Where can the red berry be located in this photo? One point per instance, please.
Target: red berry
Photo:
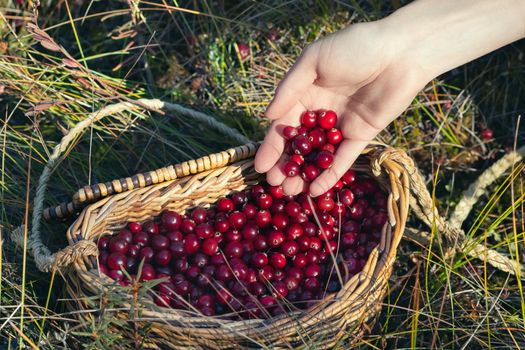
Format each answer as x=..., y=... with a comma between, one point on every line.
x=150, y=227
x=301, y=145
x=309, y=172
x=263, y=218
x=204, y=230
x=126, y=235
x=116, y=261
x=135, y=227
x=250, y=231
x=280, y=221
x=328, y=147
x=237, y=219
x=324, y=159
x=275, y=238
x=290, y=248
x=163, y=257
x=225, y=205
x=487, y=134
x=312, y=270
x=191, y=244
x=233, y=250
x=276, y=191
x=291, y=169
x=187, y=226
x=334, y=136
x=260, y=259
x=346, y=197
x=159, y=242
x=327, y=119
x=325, y=203
x=317, y=137
x=171, y=220
x=279, y=290
x=309, y=119
x=103, y=243
x=210, y=246
x=278, y=260
x=244, y=51
x=264, y=201
x=349, y=177
x=289, y=132
x=297, y=159
x=300, y=261
x=118, y=245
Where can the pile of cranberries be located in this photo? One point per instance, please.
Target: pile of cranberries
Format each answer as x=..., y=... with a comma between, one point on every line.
x=257, y=253
x=310, y=147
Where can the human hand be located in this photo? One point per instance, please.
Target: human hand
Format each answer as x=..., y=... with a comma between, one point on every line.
x=363, y=75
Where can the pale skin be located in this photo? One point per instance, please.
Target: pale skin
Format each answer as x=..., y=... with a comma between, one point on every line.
x=369, y=73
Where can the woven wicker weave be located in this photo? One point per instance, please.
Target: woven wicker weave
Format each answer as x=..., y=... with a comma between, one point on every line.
x=322, y=326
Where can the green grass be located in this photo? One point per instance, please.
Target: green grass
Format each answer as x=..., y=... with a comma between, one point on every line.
x=186, y=52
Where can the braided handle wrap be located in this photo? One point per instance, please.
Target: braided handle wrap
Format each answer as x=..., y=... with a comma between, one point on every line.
x=423, y=206
x=44, y=260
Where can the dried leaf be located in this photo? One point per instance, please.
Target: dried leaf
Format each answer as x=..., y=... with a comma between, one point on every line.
x=71, y=63
x=50, y=45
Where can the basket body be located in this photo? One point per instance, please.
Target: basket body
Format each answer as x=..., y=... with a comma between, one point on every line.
x=338, y=316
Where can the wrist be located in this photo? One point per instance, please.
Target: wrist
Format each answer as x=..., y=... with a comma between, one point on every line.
x=440, y=35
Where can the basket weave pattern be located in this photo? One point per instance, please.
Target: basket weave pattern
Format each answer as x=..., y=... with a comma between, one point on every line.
x=322, y=326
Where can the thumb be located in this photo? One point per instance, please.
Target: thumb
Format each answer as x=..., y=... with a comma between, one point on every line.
x=294, y=85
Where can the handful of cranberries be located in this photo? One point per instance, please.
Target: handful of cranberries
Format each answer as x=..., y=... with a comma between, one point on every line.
x=255, y=253
x=310, y=147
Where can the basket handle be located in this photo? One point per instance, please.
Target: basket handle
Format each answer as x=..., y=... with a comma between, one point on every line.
x=46, y=261
x=423, y=206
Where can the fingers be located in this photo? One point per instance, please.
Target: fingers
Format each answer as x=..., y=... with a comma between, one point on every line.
x=345, y=156
x=273, y=144
x=293, y=185
x=296, y=82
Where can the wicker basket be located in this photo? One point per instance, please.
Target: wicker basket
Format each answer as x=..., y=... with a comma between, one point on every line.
x=215, y=176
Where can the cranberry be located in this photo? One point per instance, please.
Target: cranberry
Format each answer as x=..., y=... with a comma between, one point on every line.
x=309, y=119
x=291, y=283
x=118, y=245
x=297, y=159
x=325, y=203
x=260, y=259
x=324, y=159
x=187, y=226
x=204, y=230
x=291, y=168
x=260, y=243
x=239, y=198
x=300, y=260
x=280, y=290
x=233, y=236
x=295, y=272
x=237, y=219
x=309, y=229
x=301, y=145
x=224, y=296
x=147, y=273
x=135, y=227
x=103, y=243
x=163, y=257
x=278, y=260
x=146, y=254
x=311, y=284
x=334, y=136
x=349, y=239
x=266, y=273
x=223, y=273
x=289, y=132
x=200, y=260
x=264, y=201
x=304, y=243
x=244, y=51
x=317, y=138
x=275, y=238
x=315, y=243
x=328, y=147
x=151, y=227
x=233, y=250
x=191, y=244
x=346, y=197
x=171, y=220
x=175, y=236
x=312, y=256
x=199, y=215
x=312, y=270
x=126, y=235
x=133, y=251
x=290, y=248
x=349, y=177
x=117, y=260
x=103, y=257
x=210, y=246
x=294, y=231
x=356, y=211
x=326, y=119
x=117, y=275
x=225, y=205
x=487, y=134
x=263, y=218
x=309, y=172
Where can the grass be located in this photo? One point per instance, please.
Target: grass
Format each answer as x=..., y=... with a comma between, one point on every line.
x=187, y=53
